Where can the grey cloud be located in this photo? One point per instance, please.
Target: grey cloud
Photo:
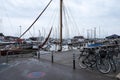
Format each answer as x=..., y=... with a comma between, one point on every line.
x=92, y=13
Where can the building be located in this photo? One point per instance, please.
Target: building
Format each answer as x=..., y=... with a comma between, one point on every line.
x=1, y=37
x=114, y=36
x=78, y=39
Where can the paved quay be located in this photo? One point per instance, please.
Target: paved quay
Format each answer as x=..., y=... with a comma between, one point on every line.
x=66, y=58
x=31, y=68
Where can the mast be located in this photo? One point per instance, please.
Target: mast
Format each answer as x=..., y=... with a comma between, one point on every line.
x=87, y=33
x=95, y=33
x=39, y=37
x=20, y=29
x=61, y=5
x=99, y=32
x=0, y=25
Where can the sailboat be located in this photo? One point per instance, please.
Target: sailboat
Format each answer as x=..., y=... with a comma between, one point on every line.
x=60, y=42
x=41, y=45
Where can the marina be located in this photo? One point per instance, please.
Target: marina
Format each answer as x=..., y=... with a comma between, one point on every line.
x=62, y=50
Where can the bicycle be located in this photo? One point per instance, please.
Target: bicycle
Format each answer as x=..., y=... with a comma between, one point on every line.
x=103, y=63
x=87, y=58
x=100, y=57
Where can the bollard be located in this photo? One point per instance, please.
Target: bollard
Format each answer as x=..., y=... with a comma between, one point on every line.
x=39, y=54
x=73, y=60
x=52, y=59
x=7, y=56
x=0, y=53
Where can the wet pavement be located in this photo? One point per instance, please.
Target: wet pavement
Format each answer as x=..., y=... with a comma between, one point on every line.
x=34, y=69
x=66, y=58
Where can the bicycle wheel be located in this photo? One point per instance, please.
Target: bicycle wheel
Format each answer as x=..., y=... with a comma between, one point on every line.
x=81, y=61
x=103, y=65
x=113, y=65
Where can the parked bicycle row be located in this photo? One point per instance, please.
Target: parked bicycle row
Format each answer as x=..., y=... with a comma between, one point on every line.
x=99, y=56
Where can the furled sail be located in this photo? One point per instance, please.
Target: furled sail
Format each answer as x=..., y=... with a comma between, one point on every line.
x=40, y=46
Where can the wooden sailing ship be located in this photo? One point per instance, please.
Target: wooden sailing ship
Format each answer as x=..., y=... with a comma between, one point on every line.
x=41, y=45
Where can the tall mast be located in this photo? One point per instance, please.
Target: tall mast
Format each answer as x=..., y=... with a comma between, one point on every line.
x=61, y=5
x=20, y=29
x=95, y=33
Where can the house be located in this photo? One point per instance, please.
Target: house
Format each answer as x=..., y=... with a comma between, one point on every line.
x=114, y=36
x=10, y=38
x=78, y=37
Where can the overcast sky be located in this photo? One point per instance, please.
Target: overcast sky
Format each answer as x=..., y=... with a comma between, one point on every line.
x=81, y=16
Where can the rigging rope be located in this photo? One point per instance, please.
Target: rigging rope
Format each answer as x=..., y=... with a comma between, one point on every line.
x=71, y=19
x=7, y=15
x=52, y=18
x=36, y=18
x=66, y=25
x=54, y=21
x=30, y=34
